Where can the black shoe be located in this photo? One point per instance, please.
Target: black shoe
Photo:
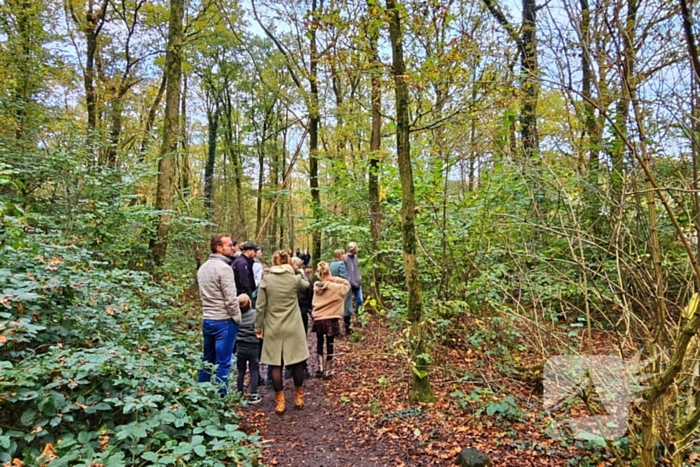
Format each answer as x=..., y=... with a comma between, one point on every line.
x=287, y=373
x=307, y=375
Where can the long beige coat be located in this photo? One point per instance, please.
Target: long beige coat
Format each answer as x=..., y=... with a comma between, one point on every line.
x=279, y=317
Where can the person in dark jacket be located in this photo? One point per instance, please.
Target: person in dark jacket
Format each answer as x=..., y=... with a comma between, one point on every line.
x=304, y=297
x=248, y=355
x=243, y=269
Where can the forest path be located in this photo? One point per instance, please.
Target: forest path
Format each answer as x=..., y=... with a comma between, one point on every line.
x=362, y=416
x=325, y=433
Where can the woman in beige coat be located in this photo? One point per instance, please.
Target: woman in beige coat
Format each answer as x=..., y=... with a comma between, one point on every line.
x=328, y=307
x=279, y=325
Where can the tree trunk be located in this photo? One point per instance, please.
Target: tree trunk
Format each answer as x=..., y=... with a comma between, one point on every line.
x=530, y=80
x=184, y=158
x=627, y=36
x=592, y=136
x=420, y=388
x=231, y=138
x=261, y=180
x=340, y=139
x=89, y=77
x=314, y=120
x=22, y=44
x=375, y=145
x=151, y=120
x=238, y=167
x=275, y=180
x=94, y=20
x=168, y=150
x=282, y=203
x=213, y=128
x=694, y=117
x=110, y=152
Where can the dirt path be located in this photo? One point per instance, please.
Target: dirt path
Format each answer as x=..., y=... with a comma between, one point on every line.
x=324, y=433
x=362, y=417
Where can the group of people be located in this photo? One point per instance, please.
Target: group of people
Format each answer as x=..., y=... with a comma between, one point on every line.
x=263, y=313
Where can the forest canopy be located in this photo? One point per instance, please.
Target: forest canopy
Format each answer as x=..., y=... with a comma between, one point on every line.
x=521, y=176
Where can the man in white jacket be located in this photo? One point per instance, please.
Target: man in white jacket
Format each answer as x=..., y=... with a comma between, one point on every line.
x=221, y=311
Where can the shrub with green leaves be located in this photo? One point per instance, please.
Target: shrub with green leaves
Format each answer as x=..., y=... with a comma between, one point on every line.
x=94, y=372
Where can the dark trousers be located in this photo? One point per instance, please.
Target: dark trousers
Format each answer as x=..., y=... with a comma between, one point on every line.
x=247, y=358
x=329, y=345
x=305, y=320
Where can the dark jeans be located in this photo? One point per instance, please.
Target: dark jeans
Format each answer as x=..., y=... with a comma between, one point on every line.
x=247, y=358
x=357, y=293
x=329, y=345
x=219, y=336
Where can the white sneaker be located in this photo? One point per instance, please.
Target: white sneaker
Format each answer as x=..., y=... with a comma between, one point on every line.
x=254, y=399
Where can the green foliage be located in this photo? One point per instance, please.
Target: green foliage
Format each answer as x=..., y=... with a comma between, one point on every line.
x=10, y=212
x=93, y=366
x=505, y=408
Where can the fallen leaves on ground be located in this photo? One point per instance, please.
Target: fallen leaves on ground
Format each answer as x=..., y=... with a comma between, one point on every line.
x=362, y=417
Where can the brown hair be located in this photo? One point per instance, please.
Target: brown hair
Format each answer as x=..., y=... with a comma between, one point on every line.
x=338, y=253
x=280, y=257
x=216, y=242
x=322, y=270
x=298, y=263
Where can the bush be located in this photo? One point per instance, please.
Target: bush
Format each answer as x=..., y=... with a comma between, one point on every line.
x=94, y=373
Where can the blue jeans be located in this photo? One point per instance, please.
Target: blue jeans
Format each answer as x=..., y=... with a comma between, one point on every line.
x=219, y=336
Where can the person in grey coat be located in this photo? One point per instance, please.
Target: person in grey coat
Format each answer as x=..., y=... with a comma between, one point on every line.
x=353, y=266
x=221, y=311
x=338, y=269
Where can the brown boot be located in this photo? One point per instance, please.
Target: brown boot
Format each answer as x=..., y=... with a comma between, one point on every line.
x=298, y=397
x=279, y=410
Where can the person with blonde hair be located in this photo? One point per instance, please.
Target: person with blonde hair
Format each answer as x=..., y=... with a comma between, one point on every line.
x=279, y=324
x=328, y=308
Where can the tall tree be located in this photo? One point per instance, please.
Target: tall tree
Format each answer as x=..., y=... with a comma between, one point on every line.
x=123, y=79
x=151, y=119
x=212, y=131
x=373, y=22
x=168, y=150
x=526, y=41
x=311, y=98
x=90, y=21
x=421, y=390
x=314, y=122
x=23, y=70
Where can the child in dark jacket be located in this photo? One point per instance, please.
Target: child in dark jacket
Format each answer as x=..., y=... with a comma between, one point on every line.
x=247, y=355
